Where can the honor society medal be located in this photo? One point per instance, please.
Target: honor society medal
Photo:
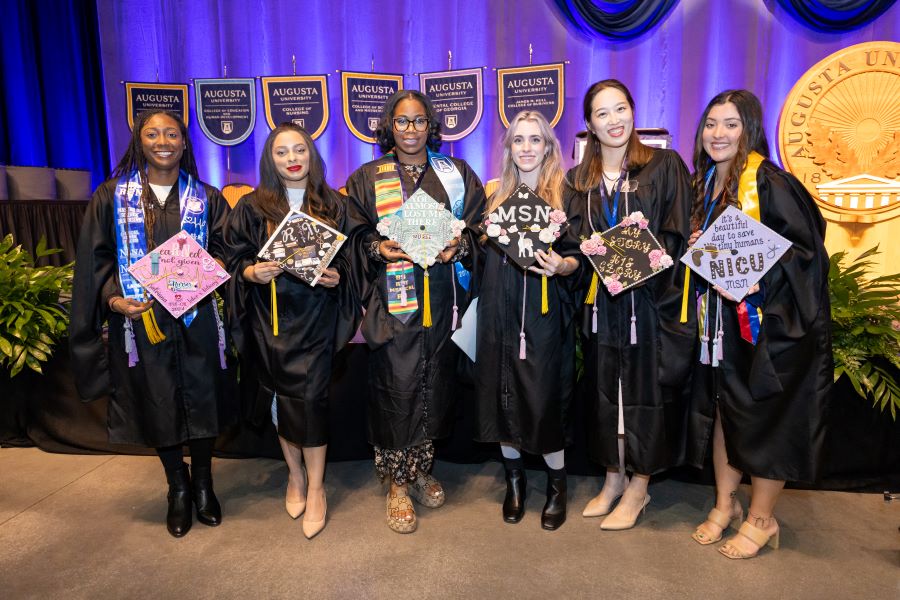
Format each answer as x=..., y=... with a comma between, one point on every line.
x=839, y=131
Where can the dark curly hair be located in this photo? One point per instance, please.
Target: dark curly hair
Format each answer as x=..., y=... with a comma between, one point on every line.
x=384, y=134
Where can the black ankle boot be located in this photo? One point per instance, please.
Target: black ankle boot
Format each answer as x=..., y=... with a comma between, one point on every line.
x=514, y=502
x=554, y=514
x=178, y=517
x=209, y=512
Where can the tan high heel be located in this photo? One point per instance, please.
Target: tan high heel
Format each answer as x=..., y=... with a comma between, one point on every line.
x=757, y=536
x=312, y=528
x=722, y=520
x=597, y=508
x=615, y=522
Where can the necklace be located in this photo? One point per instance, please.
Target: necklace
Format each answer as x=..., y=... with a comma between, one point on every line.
x=611, y=179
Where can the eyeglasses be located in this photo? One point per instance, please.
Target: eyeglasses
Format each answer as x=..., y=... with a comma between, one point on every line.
x=402, y=123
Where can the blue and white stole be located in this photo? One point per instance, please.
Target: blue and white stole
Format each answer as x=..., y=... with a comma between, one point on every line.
x=455, y=187
x=131, y=236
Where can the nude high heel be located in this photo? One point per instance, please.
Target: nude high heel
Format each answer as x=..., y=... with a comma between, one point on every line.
x=722, y=520
x=312, y=528
x=615, y=522
x=756, y=535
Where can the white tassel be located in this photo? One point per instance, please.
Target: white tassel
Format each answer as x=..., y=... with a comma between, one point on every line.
x=594, y=319
x=715, y=352
x=403, y=294
x=704, y=350
x=633, y=322
x=522, y=346
x=455, y=317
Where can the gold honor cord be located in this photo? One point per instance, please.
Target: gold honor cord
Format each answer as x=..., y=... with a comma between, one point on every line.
x=545, y=304
x=426, y=295
x=154, y=334
x=592, y=290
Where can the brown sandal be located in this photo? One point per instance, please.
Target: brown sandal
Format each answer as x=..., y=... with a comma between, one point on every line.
x=396, y=506
x=427, y=491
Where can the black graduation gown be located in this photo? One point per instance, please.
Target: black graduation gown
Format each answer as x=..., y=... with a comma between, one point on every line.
x=295, y=365
x=524, y=403
x=655, y=370
x=773, y=396
x=178, y=390
x=411, y=368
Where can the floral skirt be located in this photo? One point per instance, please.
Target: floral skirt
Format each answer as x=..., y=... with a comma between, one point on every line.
x=403, y=465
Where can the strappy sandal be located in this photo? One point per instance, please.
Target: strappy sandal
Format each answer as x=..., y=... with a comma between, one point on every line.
x=427, y=491
x=754, y=534
x=720, y=519
x=396, y=506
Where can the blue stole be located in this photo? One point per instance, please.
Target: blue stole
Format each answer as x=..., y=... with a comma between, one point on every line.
x=455, y=187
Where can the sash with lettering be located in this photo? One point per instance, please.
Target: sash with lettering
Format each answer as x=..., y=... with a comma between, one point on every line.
x=389, y=198
x=749, y=310
x=364, y=95
x=458, y=99
x=302, y=100
x=144, y=97
x=131, y=238
x=540, y=88
x=226, y=109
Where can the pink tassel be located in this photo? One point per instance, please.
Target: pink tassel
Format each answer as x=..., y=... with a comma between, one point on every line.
x=704, y=350
x=455, y=318
x=633, y=330
x=594, y=320
x=522, y=346
x=720, y=351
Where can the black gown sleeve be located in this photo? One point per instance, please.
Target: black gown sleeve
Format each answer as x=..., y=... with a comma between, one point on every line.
x=240, y=245
x=218, y=211
x=361, y=221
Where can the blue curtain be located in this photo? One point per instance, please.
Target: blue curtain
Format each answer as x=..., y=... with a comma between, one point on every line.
x=835, y=15
x=616, y=19
x=52, y=110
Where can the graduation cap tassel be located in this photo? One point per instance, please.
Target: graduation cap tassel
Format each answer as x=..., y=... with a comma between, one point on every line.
x=592, y=290
x=633, y=321
x=720, y=333
x=522, y=349
x=545, y=304
x=274, y=295
x=684, y=294
x=130, y=345
x=455, y=320
x=426, y=309
x=154, y=335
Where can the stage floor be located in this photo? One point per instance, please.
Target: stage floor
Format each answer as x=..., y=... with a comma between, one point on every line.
x=75, y=526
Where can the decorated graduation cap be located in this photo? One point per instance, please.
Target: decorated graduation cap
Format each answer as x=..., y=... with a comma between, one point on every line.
x=178, y=273
x=626, y=255
x=422, y=227
x=303, y=246
x=524, y=224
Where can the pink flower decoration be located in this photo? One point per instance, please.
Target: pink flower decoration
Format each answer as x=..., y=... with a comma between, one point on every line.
x=626, y=222
x=487, y=221
x=556, y=234
x=601, y=250
x=613, y=284
x=557, y=216
x=589, y=246
x=502, y=232
x=643, y=223
x=654, y=255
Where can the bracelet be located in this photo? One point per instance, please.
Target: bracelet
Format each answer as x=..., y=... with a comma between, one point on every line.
x=374, y=252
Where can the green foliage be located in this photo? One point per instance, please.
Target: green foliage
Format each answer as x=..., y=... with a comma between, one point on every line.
x=32, y=317
x=865, y=321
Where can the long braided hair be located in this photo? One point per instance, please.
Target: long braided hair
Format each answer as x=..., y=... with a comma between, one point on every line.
x=134, y=159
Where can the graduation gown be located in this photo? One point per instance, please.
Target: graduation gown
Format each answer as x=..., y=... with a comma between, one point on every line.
x=411, y=368
x=653, y=371
x=772, y=397
x=178, y=390
x=295, y=366
x=524, y=403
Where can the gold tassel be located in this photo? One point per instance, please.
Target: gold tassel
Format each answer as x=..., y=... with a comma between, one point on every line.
x=545, y=304
x=154, y=335
x=274, y=295
x=684, y=294
x=592, y=291
x=426, y=301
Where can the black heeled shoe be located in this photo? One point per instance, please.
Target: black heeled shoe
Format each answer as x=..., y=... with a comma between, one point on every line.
x=178, y=517
x=554, y=513
x=514, y=502
x=209, y=512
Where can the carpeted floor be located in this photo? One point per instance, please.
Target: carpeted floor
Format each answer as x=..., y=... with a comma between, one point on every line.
x=93, y=527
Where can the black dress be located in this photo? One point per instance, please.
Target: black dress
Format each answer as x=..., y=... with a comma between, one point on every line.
x=178, y=390
x=773, y=396
x=411, y=368
x=295, y=366
x=654, y=371
x=525, y=403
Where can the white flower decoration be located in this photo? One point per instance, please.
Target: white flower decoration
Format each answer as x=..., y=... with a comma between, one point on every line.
x=503, y=239
x=513, y=228
x=546, y=236
x=553, y=227
x=493, y=230
x=494, y=217
x=665, y=261
x=637, y=216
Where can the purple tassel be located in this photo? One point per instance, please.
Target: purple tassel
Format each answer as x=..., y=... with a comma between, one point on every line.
x=633, y=330
x=455, y=317
x=221, y=334
x=522, y=346
x=594, y=320
x=704, y=350
x=130, y=344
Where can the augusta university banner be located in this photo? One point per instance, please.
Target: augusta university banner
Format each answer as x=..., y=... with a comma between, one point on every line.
x=364, y=95
x=226, y=109
x=143, y=97
x=302, y=100
x=536, y=87
x=458, y=98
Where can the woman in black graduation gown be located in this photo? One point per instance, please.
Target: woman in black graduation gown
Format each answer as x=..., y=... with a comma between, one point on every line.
x=412, y=365
x=167, y=392
x=523, y=399
x=294, y=365
x=763, y=388
x=636, y=353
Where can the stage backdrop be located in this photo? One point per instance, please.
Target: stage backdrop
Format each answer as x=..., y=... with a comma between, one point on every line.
x=697, y=49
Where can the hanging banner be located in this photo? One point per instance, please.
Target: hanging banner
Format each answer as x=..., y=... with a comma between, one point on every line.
x=540, y=88
x=458, y=100
x=226, y=109
x=302, y=100
x=364, y=95
x=143, y=97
